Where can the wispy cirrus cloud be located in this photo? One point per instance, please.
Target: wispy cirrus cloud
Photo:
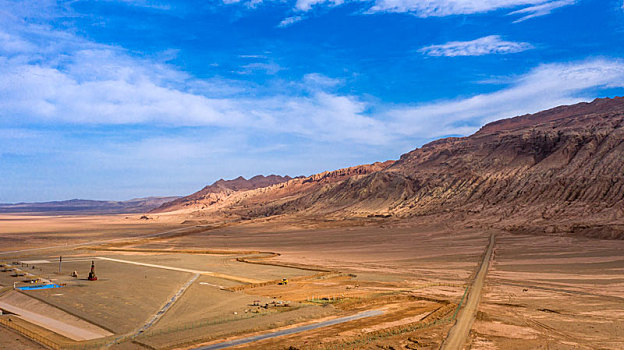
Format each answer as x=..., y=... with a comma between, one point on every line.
x=306, y=5
x=540, y=9
x=424, y=8
x=441, y=8
x=153, y=4
x=543, y=87
x=102, y=85
x=140, y=116
x=98, y=84
x=288, y=21
x=487, y=45
x=268, y=68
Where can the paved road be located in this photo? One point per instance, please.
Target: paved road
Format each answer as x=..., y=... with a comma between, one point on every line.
x=289, y=331
x=459, y=332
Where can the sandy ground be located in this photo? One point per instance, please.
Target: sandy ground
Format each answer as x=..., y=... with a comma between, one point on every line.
x=14, y=341
x=552, y=293
x=123, y=297
x=416, y=251
x=36, y=231
x=49, y=317
x=540, y=292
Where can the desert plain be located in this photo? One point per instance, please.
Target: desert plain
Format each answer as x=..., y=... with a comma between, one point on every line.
x=166, y=285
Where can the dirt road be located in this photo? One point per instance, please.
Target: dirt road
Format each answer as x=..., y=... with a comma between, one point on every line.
x=201, y=272
x=459, y=333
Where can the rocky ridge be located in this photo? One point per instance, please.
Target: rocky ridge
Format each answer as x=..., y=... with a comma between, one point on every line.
x=559, y=171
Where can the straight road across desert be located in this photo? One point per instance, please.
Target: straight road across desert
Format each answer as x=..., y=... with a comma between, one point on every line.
x=459, y=333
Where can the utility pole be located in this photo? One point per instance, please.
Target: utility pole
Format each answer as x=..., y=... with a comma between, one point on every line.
x=60, y=261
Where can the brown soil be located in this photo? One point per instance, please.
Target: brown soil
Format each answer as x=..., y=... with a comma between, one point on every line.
x=408, y=268
x=552, y=292
x=12, y=340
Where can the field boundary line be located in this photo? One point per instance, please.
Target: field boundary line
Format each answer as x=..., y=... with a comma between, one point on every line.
x=439, y=319
x=32, y=335
x=64, y=310
x=288, y=331
x=154, y=319
x=177, y=251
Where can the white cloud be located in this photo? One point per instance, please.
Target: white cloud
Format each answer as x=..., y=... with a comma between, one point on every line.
x=492, y=44
x=545, y=86
x=440, y=8
x=288, y=21
x=425, y=8
x=102, y=85
x=541, y=9
x=10, y=44
x=306, y=5
x=268, y=68
x=320, y=81
x=158, y=5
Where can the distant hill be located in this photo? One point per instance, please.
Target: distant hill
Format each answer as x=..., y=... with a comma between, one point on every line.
x=83, y=206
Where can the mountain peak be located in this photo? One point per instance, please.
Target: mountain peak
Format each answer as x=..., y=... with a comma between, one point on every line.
x=561, y=116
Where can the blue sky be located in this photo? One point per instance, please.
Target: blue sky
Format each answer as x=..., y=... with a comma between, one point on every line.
x=129, y=98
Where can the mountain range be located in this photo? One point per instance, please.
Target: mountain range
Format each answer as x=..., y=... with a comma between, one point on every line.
x=560, y=171
x=85, y=206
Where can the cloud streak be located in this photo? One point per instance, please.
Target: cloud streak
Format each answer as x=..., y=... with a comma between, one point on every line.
x=422, y=8
x=288, y=21
x=545, y=86
x=96, y=116
x=441, y=8
x=487, y=45
x=540, y=9
x=101, y=85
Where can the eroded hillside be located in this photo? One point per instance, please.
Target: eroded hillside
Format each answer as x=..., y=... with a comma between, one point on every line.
x=560, y=171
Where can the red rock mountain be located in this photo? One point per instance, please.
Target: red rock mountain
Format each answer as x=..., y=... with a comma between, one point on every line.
x=245, y=198
x=560, y=171
x=221, y=189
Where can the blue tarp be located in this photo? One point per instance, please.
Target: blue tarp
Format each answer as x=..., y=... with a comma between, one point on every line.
x=39, y=286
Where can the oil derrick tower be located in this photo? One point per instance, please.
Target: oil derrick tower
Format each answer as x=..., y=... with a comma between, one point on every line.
x=92, y=276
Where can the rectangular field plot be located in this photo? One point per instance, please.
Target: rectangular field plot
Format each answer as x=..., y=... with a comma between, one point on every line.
x=219, y=264
x=132, y=287
x=123, y=297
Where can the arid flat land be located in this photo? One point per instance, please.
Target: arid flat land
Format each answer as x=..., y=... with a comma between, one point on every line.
x=552, y=293
x=14, y=341
x=39, y=231
x=539, y=291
